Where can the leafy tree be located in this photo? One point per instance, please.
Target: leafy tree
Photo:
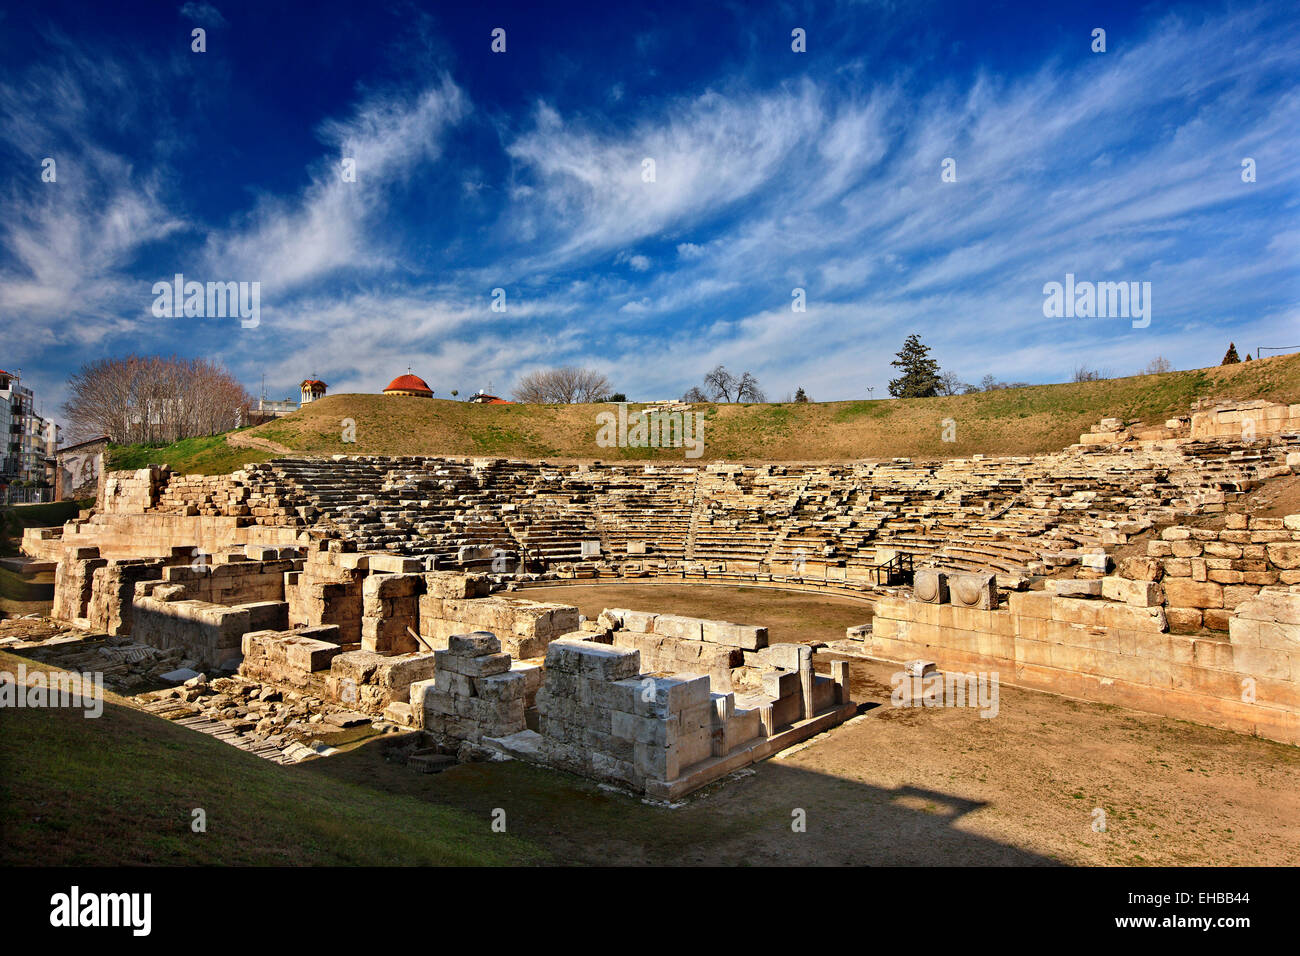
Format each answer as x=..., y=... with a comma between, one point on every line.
x=617, y=397
x=801, y=396
x=920, y=378
x=1230, y=357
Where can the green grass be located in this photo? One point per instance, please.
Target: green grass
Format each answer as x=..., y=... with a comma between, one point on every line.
x=208, y=455
x=17, y=589
x=121, y=789
x=848, y=411
x=14, y=518
x=1033, y=420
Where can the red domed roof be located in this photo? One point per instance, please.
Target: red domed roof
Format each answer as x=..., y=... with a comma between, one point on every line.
x=408, y=383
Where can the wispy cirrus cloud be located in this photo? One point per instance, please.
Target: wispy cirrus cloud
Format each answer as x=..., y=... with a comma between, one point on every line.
x=822, y=173
x=336, y=224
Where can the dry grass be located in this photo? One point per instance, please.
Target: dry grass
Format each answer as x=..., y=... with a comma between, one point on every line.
x=1023, y=421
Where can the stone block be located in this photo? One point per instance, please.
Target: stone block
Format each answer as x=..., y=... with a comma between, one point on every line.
x=1284, y=556
x=1184, y=620
x=484, y=665
x=1136, y=593
x=684, y=628
x=1180, y=592
x=598, y=661
x=477, y=644
x=930, y=586
x=1073, y=587
x=659, y=731
x=973, y=590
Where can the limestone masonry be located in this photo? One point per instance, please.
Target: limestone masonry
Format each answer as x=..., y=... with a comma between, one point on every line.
x=396, y=589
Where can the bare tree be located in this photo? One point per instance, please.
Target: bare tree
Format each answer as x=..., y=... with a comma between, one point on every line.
x=1084, y=374
x=150, y=399
x=566, y=385
x=721, y=384
x=951, y=384
x=748, y=390
x=1158, y=366
x=695, y=395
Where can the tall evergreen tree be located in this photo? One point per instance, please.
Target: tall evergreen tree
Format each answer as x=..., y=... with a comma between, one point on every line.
x=1230, y=357
x=920, y=378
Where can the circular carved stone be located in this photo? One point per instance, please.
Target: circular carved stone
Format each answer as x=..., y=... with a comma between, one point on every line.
x=966, y=590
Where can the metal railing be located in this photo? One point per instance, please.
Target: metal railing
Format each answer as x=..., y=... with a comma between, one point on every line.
x=26, y=496
x=897, y=570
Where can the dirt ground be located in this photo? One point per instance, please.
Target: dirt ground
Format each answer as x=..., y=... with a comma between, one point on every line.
x=917, y=786
x=944, y=785
x=897, y=785
x=796, y=616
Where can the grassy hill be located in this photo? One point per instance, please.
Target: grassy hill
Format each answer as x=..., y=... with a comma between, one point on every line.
x=121, y=789
x=1037, y=419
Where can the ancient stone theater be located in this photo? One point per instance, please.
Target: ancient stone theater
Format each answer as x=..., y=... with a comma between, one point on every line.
x=1122, y=569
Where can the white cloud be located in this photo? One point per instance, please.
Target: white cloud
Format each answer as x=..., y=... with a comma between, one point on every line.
x=337, y=224
x=204, y=14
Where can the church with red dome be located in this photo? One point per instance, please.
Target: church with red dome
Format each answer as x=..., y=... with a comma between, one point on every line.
x=410, y=385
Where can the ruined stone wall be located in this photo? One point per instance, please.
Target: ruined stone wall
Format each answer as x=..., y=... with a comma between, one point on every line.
x=371, y=683
x=291, y=657
x=74, y=582
x=598, y=719
x=726, y=652
x=113, y=591
x=203, y=495
x=602, y=716
x=1246, y=420
x=208, y=633
x=390, y=607
x=327, y=589
x=476, y=691
x=128, y=535
x=1116, y=652
x=1204, y=574
x=525, y=628
x=256, y=574
x=45, y=544
x=132, y=492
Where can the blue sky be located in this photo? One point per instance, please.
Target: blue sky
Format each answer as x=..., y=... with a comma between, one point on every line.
x=522, y=170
